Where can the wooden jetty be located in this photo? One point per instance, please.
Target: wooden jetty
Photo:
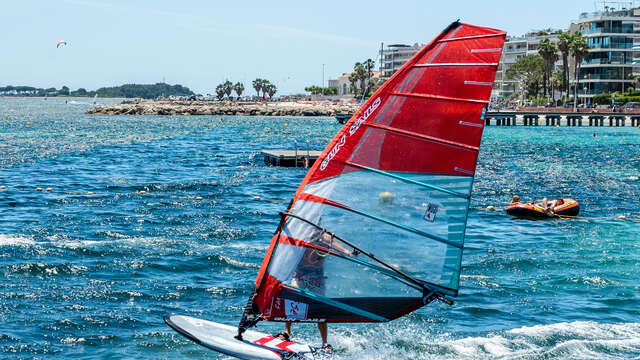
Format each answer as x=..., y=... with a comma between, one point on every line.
x=508, y=118
x=290, y=158
x=513, y=118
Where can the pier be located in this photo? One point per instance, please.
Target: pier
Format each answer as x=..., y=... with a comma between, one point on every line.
x=512, y=118
x=290, y=158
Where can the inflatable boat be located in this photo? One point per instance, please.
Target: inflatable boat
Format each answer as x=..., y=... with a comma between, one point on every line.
x=558, y=207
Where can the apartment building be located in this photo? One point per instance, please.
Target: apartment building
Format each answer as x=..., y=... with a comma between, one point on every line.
x=514, y=49
x=614, y=51
x=392, y=57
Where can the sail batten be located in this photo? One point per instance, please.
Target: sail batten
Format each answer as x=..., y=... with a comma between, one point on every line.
x=395, y=181
x=439, y=97
x=454, y=65
x=310, y=197
x=470, y=37
x=424, y=137
x=405, y=179
x=384, y=268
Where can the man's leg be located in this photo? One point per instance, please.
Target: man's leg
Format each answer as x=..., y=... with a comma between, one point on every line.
x=287, y=328
x=322, y=327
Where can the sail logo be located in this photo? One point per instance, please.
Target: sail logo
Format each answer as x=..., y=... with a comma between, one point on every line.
x=365, y=116
x=432, y=210
x=333, y=152
x=295, y=310
x=352, y=130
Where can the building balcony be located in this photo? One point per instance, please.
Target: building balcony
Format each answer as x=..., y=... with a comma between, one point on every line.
x=609, y=48
x=607, y=31
x=613, y=62
x=523, y=49
x=600, y=78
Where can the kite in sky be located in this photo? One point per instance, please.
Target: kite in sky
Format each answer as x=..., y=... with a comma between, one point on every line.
x=61, y=43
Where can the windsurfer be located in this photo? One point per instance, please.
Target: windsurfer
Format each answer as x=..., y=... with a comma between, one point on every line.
x=309, y=274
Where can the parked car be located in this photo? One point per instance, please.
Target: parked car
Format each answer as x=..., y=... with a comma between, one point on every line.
x=632, y=105
x=568, y=105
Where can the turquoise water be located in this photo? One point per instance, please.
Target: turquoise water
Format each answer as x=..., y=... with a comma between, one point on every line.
x=89, y=268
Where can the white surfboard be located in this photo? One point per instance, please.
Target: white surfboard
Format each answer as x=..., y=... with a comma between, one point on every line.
x=220, y=337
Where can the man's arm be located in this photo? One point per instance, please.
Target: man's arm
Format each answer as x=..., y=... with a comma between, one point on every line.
x=336, y=245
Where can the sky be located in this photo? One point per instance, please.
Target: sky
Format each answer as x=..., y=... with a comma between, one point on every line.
x=200, y=44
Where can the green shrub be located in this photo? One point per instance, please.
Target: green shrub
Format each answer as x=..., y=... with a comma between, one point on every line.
x=602, y=99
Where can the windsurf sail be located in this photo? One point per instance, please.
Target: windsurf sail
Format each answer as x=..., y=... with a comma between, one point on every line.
x=376, y=228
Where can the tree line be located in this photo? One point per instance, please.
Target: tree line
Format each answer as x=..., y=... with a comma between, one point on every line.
x=318, y=90
x=536, y=73
x=259, y=85
x=148, y=91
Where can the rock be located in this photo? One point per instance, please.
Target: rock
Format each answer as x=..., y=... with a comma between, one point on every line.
x=174, y=107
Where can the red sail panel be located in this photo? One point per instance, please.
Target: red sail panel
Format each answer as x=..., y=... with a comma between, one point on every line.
x=395, y=181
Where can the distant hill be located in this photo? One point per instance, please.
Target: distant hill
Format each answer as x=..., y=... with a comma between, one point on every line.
x=146, y=91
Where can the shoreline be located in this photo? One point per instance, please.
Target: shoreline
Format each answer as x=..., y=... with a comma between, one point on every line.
x=195, y=107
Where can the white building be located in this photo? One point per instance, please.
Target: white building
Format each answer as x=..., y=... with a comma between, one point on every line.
x=514, y=49
x=394, y=56
x=614, y=51
x=343, y=84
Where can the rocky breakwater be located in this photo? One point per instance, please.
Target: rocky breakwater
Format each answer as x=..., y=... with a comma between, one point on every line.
x=184, y=107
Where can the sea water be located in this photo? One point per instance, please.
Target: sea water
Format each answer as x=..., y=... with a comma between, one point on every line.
x=153, y=215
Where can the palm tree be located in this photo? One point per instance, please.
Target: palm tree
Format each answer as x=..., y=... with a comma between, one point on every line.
x=257, y=85
x=579, y=50
x=238, y=88
x=549, y=54
x=271, y=89
x=220, y=91
x=359, y=73
x=353, y=79
x=368, y=66
x=564, y=44
x=265, y=85
x=228, y=88
x=556, y=81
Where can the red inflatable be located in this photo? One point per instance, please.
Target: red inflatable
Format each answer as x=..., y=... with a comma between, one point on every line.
x=558, y=207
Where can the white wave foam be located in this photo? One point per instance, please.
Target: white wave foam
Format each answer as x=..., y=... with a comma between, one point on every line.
x=575, y=340
x=239, y=263
x=16, y=240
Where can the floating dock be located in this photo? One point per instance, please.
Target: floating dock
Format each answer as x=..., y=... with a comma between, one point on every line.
x=290, y=158
x=343, y=118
